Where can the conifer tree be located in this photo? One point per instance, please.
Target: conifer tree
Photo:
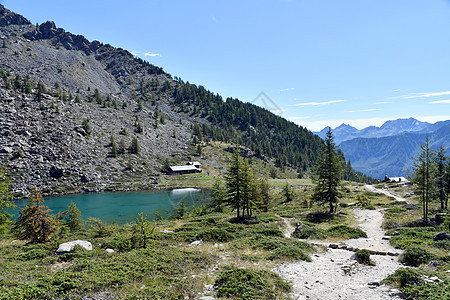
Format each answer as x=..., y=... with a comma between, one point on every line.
x=288, y=193
x=134, y=147
x=238, y=182
x=218, y=195
x=422, y=175
x=121, y=148
x=265, y=195
x=35, y=221
x=114, y=150
x=441, y=161
x=5, y=203
x=73, y=218
x=328, y=174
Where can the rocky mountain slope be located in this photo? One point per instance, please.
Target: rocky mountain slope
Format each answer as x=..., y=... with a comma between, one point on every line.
x=65, y=99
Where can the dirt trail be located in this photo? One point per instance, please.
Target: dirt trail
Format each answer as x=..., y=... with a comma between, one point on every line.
x=334, y=274
x=371, y=188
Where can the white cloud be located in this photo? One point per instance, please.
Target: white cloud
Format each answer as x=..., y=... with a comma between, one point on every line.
x=364, y=110
x=383, y=102
x=319, y=103
x=423, y=95
x=293, y=119
x=134, y=53
x=151, y=54
x=287, y=89
x=440, y=102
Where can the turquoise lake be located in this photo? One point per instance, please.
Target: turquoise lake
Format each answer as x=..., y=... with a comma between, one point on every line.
x=124, y=207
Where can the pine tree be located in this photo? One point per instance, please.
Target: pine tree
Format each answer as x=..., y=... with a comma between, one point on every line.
x=134, y=147
x=422, y=175
x=114, y=150
x=288, y=193
x=264, y=194
x=238, y=182
x=218, y=195
x=121, y=148
x=86, y=126
x=5, y=203
x=35, y=221
x=441, y=161
x=328, y=174
x=73, y=218
x=142, y=231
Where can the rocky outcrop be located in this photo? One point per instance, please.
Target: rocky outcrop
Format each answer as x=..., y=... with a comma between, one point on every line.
x=69, y=41
x=9, y=18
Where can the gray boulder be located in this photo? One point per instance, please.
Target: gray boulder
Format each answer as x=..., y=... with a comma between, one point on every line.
x=69, y=246
x=441, y=236
x=56, y=172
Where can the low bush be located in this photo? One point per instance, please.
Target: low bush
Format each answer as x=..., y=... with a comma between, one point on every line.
x=363, y=257
x=308, y=231
x=444, y=244
x=411, y=283
x=288, y=253
x=415, y=256
x=404, y=237
x=404, y=276
x=345, y=232
x=215, y=235
x=32, y=254
x=250, y=284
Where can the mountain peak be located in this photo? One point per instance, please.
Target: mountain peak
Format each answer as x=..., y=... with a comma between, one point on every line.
x=7, y=18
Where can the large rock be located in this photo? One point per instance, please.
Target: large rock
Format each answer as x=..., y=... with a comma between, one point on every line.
x=56, y=172
x=441, y=236
x=68, y=247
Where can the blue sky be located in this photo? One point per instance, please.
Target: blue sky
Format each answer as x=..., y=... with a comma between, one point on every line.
x=321, y=62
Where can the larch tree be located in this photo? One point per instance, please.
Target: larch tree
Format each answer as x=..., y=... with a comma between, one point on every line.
x=441, y=161
x=328, y=171
x=73, y=218
x=238, y=180
x=5, y=203
x=422, y=175
x=35, y=221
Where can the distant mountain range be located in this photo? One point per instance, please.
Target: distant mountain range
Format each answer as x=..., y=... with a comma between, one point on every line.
x=389, y=149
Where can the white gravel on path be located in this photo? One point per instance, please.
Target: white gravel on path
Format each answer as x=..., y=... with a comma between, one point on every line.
x=324, y=278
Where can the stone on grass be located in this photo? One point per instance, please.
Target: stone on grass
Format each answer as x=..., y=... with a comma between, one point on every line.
x=441, y=236
x=68, y=247
x=196, y=243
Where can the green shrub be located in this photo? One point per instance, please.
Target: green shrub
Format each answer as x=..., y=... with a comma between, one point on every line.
x=363, y=257
x=444, y=244
x=288, y=253
x=404, y=276
x=407, y=237
x=216, y=235
x=345, y=232
x=415, y=256
x=308, y=231
x=32, y=254
x=250, y=284
x=270, y=232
